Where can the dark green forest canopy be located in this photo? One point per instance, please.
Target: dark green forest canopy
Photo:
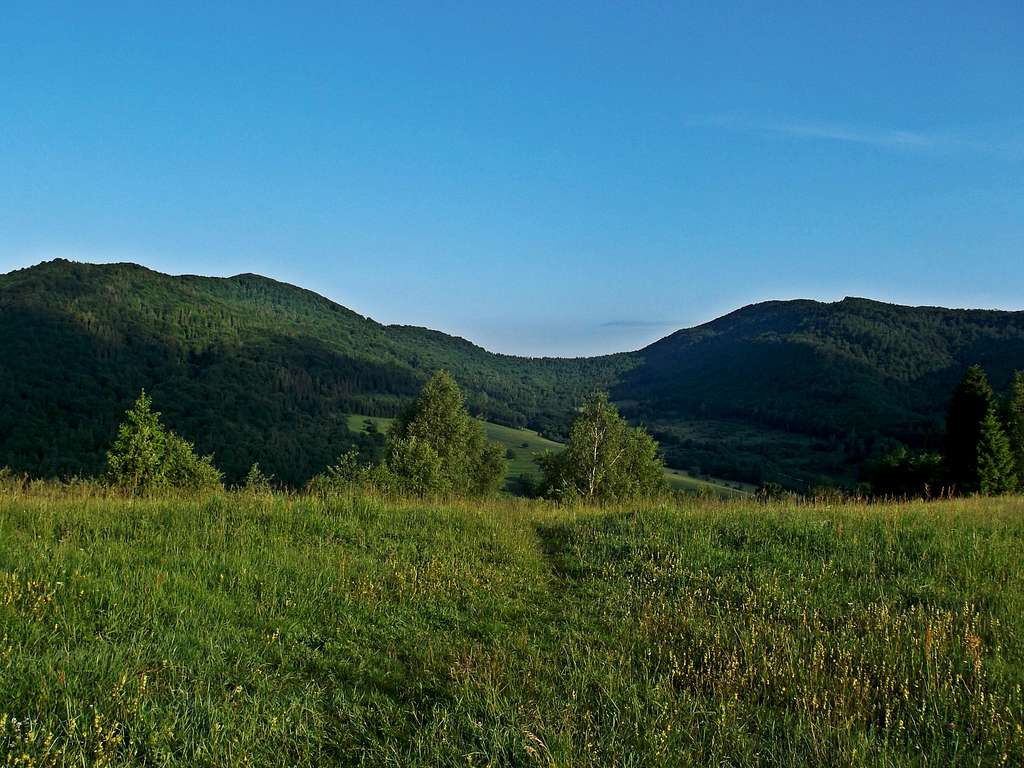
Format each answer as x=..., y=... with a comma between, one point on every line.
x=250, y=369
x=256, y=370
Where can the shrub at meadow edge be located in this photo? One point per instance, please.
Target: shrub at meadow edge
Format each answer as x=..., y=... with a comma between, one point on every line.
x=435, y=448
x=147, y=457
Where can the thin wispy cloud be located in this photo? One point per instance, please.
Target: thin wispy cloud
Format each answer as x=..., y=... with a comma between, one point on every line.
x=884, y=138
x=888, y=138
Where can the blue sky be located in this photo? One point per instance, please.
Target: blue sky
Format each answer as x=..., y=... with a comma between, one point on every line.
x=541, y=178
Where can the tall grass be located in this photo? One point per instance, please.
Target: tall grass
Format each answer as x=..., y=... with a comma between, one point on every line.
x=276, y=630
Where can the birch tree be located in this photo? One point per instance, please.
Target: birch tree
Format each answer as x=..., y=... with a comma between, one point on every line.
x=605, y=459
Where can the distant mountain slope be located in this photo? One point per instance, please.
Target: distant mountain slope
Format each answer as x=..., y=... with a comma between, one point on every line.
x=257, y=370
x=249, y=368
x=823, y=381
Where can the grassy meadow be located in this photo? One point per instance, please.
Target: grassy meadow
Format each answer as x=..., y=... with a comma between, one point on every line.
x=274, y=630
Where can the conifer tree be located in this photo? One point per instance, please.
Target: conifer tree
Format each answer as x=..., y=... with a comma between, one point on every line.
x=1015, y=423
x=135, y=461
x=997, y=473
x=145, y=455
x=968, y=408
x=256, y=481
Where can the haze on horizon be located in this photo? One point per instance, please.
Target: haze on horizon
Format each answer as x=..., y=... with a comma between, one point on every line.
x=560, y=181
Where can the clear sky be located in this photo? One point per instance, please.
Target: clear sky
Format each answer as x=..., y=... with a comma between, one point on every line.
x=542, y=178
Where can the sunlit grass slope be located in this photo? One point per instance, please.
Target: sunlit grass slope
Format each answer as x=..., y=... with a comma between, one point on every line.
x=287, y=631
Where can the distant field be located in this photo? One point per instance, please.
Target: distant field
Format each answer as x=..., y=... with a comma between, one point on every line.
x=526, y=445
x=357, y=423
x=286, y=631
x=682, y=481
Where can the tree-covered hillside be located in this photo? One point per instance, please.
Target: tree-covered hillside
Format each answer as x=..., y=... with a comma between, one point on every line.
x=790, y=390
x=256, y=370
x=248, y=368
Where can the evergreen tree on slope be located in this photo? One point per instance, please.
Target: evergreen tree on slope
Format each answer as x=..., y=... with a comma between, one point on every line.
x=968, y=408
x=997, y=472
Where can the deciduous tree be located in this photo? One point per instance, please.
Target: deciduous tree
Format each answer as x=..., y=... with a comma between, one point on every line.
x=435, y=446
x=606, y=459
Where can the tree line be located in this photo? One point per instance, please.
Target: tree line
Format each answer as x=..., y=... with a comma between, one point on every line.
x=434, y=448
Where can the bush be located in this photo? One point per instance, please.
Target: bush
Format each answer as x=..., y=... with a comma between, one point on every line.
x=183, y=469
x=348, y=475
x=418, y=467
x=773, y=492
x=825, y=493
x=11, y=482
x=900, y=474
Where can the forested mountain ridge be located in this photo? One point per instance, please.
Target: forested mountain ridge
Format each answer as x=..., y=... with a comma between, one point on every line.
x=247, y=367
x=787, y=390
x=257, y=370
